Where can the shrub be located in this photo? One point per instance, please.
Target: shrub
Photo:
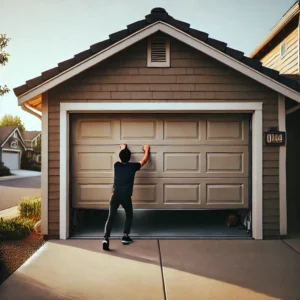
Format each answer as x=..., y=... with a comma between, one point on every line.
x=30, y=208
x=29, y=164
x=16, y=228
x=4, y=171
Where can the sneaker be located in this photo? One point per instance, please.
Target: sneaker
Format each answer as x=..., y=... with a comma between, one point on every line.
x=126, y=240
x=105, y=244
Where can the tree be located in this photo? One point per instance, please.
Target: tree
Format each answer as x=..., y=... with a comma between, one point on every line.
x=10, y=120
x=38, y=148
x=3, y=59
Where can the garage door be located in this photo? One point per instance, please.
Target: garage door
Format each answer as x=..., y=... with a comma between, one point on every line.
x=11, y=160
x=197, y=161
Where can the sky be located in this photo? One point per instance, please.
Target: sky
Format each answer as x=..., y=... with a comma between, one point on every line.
x=46, y=32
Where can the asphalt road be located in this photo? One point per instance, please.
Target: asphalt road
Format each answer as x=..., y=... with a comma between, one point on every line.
x=12, y=191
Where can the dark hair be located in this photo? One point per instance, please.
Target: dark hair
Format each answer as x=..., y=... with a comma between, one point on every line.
x=125, y=155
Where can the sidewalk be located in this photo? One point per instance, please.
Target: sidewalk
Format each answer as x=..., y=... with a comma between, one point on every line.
x=9, y=213
x=16, y=174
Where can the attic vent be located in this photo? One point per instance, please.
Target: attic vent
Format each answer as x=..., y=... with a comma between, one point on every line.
x=159, y=52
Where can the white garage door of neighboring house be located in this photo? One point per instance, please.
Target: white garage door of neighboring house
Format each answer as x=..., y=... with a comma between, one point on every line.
x=197, y=161
x=11, y=160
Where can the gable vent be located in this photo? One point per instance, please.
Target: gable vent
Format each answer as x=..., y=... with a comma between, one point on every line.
x=159, y=52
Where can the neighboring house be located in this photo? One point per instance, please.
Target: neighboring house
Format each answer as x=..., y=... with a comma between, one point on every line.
x=201, y=105
x=32, y=139
x=11, y=147
x=280, y=51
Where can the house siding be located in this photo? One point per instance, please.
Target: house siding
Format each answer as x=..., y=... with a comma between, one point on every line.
x=192, y=77
x=289, y=63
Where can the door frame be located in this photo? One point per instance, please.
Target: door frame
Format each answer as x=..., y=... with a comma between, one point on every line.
x=205, y=107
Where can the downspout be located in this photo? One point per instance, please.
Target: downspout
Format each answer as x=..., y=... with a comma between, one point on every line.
x=33, y=111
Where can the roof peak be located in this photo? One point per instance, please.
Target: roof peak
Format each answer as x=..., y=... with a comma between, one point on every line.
x=158, y=10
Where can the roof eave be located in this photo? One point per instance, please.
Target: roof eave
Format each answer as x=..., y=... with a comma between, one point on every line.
x=292, y=12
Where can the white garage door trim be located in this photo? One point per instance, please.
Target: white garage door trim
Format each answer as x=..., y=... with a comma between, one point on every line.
x=257, y=151
x=14, y=152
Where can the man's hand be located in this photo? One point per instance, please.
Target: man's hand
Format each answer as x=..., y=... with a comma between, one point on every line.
x=123, y=146
x=146, y=148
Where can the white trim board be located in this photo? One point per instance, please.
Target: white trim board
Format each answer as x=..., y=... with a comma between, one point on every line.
x=171, y=31
x=44, y=177
x=282, y=168
x=257, y=159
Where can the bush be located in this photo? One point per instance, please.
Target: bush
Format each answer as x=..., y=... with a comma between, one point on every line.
x=4, y=171
x=30, y=208
x=29, y=164
x=16, y=228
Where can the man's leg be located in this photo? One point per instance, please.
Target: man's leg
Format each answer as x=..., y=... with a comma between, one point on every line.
x=127, y=205
x=113, y=208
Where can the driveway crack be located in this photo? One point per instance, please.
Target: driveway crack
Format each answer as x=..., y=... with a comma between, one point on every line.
x=162, y=271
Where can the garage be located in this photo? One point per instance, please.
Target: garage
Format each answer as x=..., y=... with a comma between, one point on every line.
x=11, y=160
x=205, y=109
x=198, y=162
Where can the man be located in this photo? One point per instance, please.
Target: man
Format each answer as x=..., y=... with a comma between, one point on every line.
x=124, y=173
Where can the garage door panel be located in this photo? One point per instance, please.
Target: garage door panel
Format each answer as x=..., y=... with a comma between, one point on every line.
x=95, y=131
x=164, y=161
x=145, y=194
x=151, y=165
x=225, y=162
x=182, y=162
x=181, y=129
x=188, y=193
x=196, y=161
x=139, y=129
x=92, y=161
x=181, y=193
x=225, y=130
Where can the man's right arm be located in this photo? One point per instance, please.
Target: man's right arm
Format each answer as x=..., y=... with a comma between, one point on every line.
x=146, y=149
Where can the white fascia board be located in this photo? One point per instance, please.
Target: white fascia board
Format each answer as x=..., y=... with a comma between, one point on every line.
x=174, y=32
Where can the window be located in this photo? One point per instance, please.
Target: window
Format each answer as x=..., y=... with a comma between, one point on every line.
x=158, y=52
x=15, y=134
x=283, y=49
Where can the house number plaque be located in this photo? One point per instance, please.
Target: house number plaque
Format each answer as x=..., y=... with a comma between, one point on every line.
x=275, y=138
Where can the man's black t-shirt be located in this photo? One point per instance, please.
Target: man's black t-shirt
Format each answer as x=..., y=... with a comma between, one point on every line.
x=124, y=178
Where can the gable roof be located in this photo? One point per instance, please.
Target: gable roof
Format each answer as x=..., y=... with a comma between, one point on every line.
x=288, y=22
x=152, y=23
x=6, y=132
x=30, y=135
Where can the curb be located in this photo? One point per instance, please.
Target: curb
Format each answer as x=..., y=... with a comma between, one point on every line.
x=10, y=177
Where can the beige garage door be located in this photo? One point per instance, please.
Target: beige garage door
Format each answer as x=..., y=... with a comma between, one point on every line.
x=197, y=161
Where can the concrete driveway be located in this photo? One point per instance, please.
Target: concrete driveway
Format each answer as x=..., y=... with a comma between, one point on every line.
x=158, y=270
x=12, y=190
